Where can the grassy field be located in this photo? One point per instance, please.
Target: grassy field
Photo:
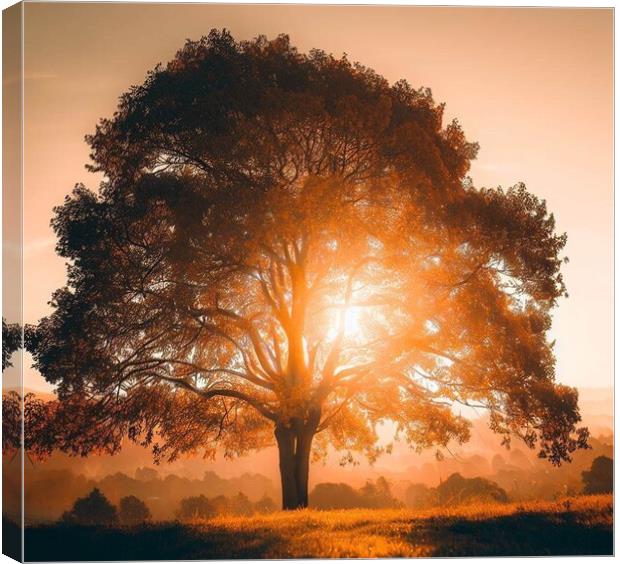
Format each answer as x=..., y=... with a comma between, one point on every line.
x=581, y=525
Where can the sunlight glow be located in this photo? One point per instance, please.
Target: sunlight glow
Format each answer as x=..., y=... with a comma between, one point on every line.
x=353, y=327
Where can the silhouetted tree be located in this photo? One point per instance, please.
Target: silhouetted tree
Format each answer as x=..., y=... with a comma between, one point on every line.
x=221, y=504
x=287, y=245
x=196, y=507
x=377, y=494
x=457, y=490
x=94, y=509
x=334, y=496
x=132, y=511
x=600, y=477
x=374, y=494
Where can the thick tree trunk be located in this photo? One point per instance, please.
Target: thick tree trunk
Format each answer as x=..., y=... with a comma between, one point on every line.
x=286, y=450
x=302, y=466
x=294, y=447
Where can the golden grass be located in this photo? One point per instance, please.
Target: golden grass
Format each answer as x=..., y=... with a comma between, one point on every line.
x=397, y=532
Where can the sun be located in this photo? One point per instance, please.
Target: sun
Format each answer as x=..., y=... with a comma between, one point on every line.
x=352, y=326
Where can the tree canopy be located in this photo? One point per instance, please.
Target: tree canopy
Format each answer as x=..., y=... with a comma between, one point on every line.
x=286, y=242
x=600, y=477
x=94, y=509
x=133, y=511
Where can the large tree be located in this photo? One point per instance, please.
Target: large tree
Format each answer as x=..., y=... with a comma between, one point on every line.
x=286, y=245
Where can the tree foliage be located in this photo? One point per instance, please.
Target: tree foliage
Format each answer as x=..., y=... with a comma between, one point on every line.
x=11, y=341
x=600, y=477
x=94, y=509
x=196, y=507
x=456, y=490
x=133, y=511
x=372, y=495
x=287, y=242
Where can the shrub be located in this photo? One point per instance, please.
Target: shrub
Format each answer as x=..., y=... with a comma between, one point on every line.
x=133, y=511
x=197, y=507
x=94, y=509
x=600, y=477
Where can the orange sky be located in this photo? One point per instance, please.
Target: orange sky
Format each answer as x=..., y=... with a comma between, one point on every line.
x=532, y=86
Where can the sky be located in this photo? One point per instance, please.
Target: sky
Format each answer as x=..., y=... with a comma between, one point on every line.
x=533, y=86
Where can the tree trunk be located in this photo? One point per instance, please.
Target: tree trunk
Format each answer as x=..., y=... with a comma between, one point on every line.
x=286, y=450
x=294, y=447
x=302, y=465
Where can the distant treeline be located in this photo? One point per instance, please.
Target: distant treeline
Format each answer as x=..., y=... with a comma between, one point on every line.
x=456, y=490
x=514, y=476
x=373, y=495
x=50, y=493
x=96, y=509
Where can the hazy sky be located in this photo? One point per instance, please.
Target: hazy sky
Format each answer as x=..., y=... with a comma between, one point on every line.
x=532, y=86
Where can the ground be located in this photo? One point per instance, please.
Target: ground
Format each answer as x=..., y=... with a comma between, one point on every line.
x=580, y=525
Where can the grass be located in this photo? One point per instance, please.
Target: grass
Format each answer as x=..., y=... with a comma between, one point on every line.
x=580, y=525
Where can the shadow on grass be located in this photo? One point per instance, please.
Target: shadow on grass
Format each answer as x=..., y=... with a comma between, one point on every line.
x=148, y=542
x=520, y=534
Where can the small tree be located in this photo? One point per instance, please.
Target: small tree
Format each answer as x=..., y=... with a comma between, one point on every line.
x=600, y=477
x=329, y=495
x=222, y=505
x=458, y=490
x=377, y=494
x=94, y=509
x=196, y=507
x=241, y=505
x=420, y=496
x=133, y=511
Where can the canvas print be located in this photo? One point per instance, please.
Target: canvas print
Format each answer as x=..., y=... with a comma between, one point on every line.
x=304, y=281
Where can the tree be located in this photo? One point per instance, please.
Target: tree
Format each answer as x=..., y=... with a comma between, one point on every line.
x=334, y=496
x=600, y=477
x=222, y=505
x=133, y=511
x=377, y=494
x=457, y=490
x=288, y=247
x=197, y=507
x=420, y=496
x=94, y=509
x=241, y=505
